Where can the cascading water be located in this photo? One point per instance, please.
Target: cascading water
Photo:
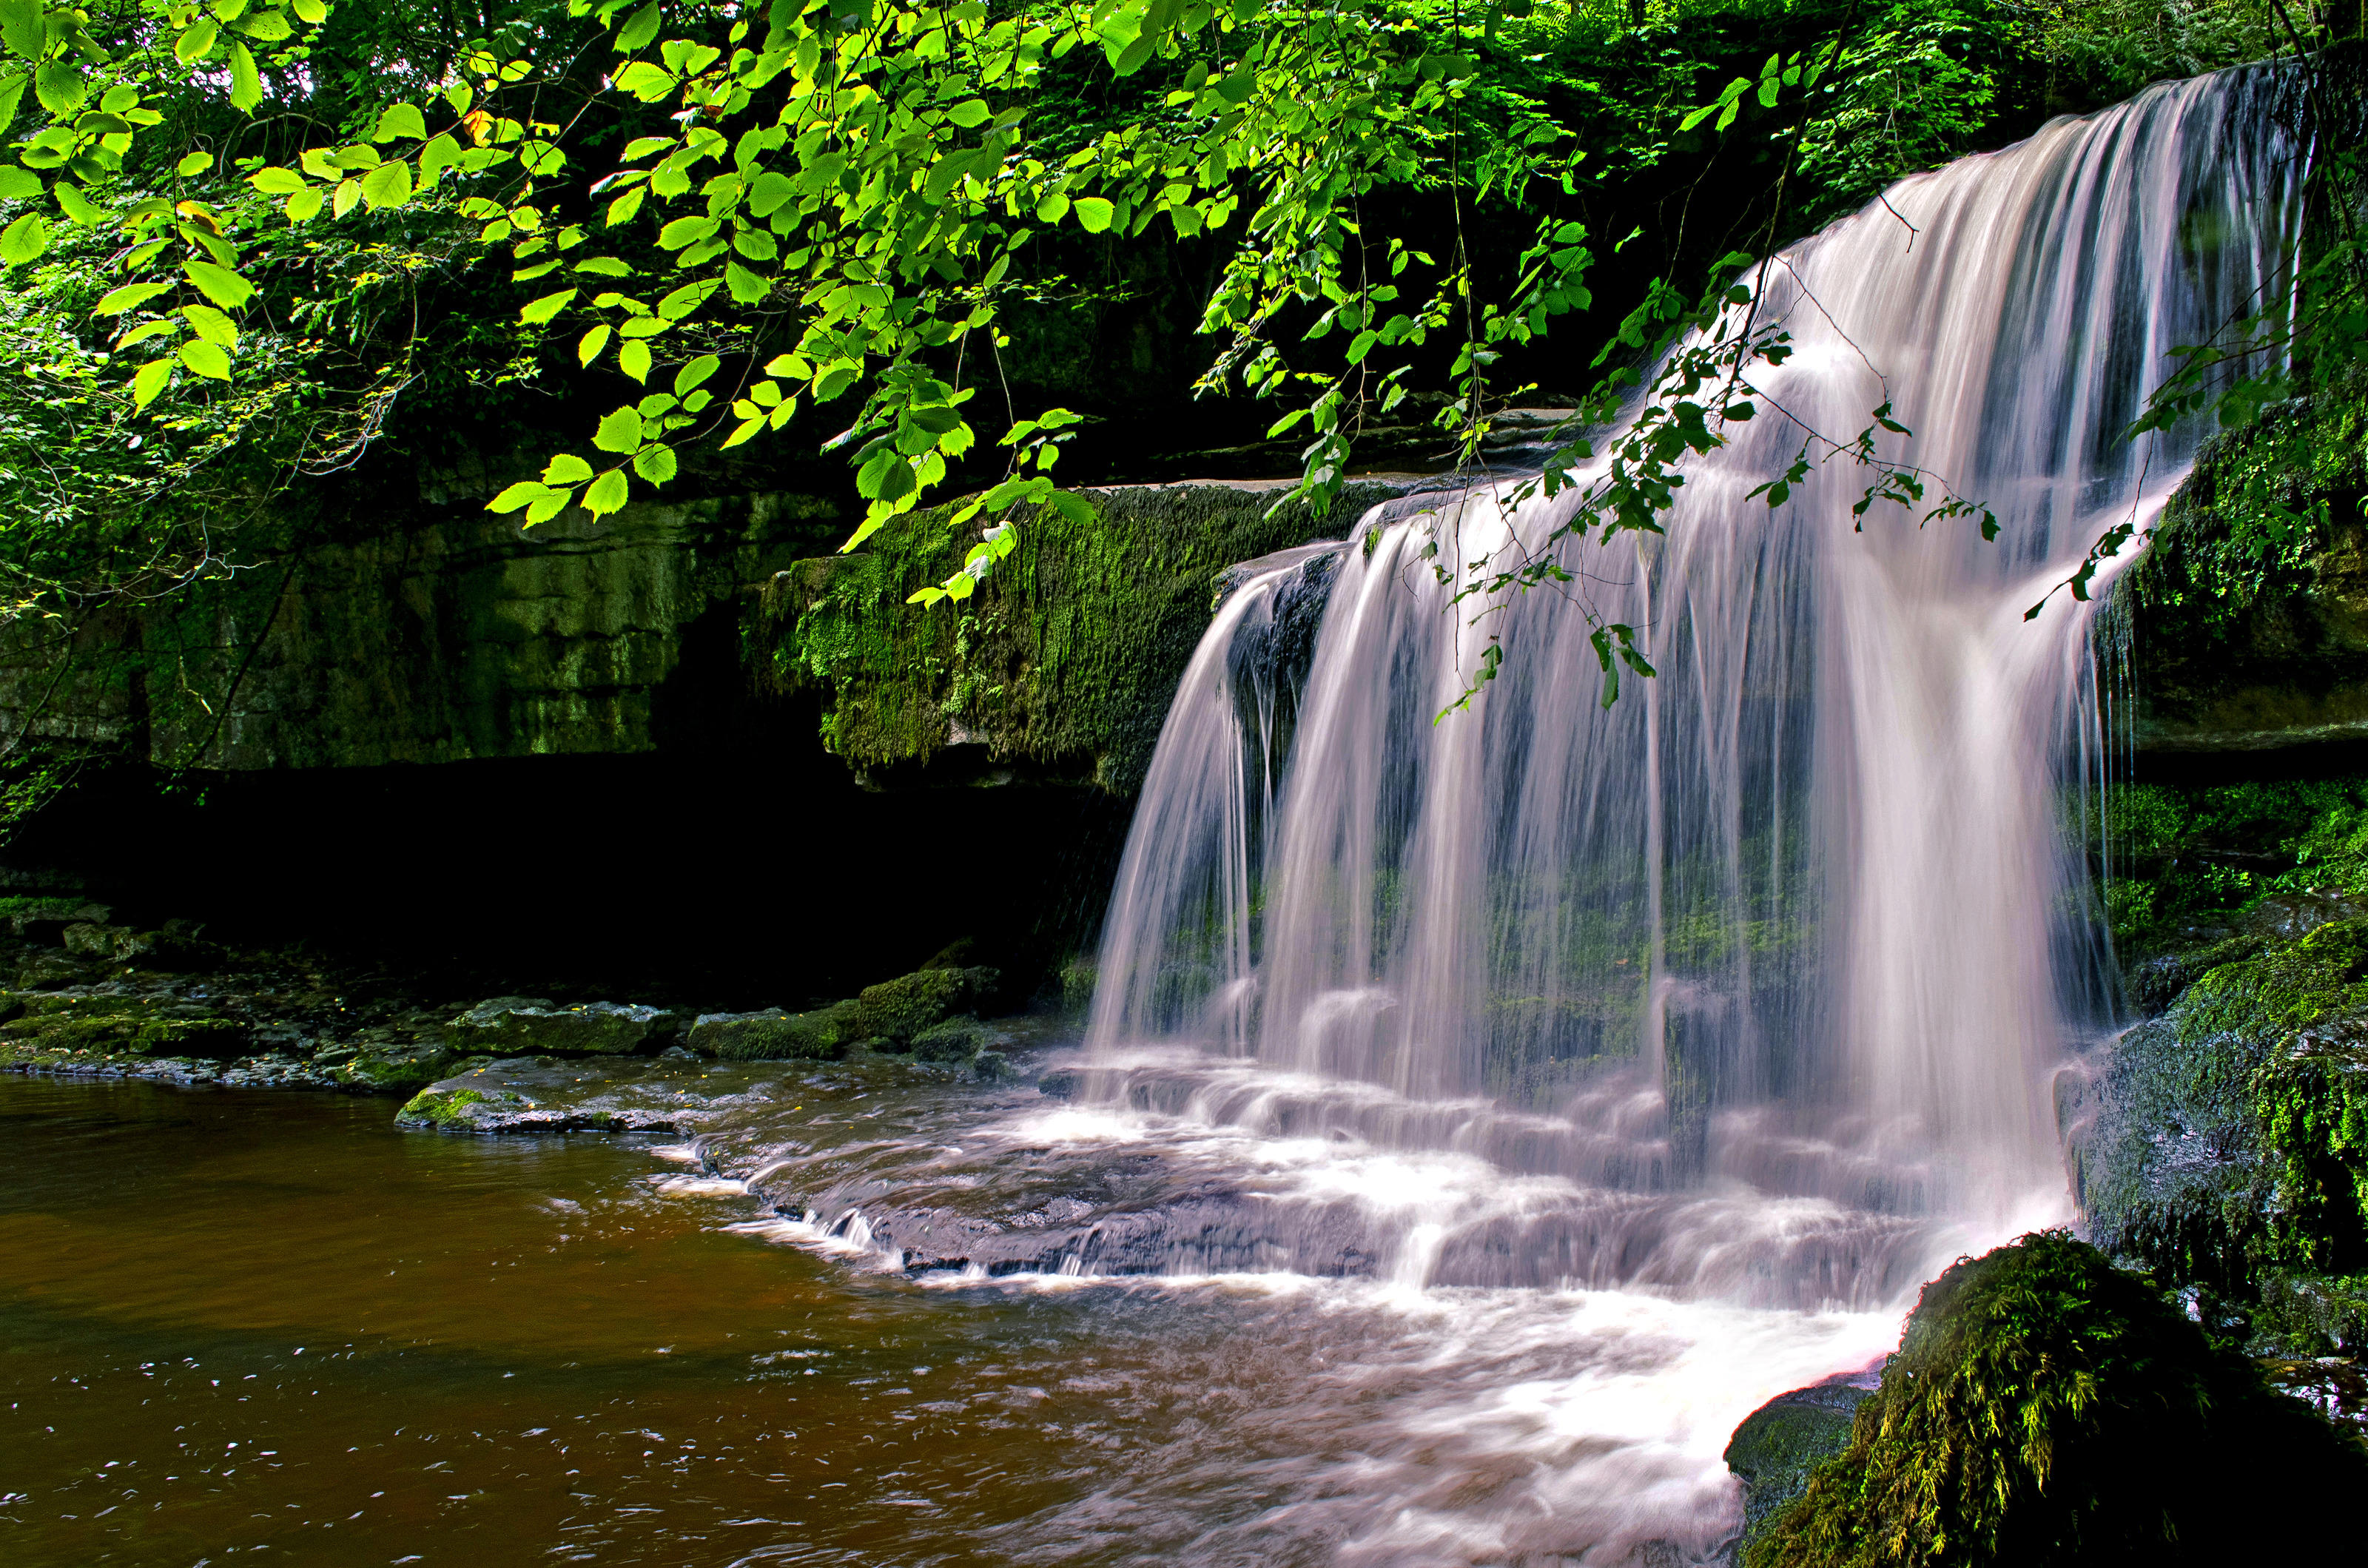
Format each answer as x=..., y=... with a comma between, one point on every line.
x=1478, y=1119
x=1747, y=984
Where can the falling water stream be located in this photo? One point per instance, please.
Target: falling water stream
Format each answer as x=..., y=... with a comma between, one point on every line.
x=1477, y=1117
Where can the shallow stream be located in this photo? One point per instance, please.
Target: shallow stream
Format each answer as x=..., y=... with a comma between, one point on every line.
x=245, y=1324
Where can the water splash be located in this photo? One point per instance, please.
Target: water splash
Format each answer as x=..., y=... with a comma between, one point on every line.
x=1769, y=959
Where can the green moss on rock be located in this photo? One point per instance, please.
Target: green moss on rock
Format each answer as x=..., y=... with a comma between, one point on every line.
x=2045, y=1408
x=895, y=1011
x=774, y=1034
x=449, y=1109
x=521, y=1026
x=1781, y=1443
x=955, y=1039
x=1064, y=661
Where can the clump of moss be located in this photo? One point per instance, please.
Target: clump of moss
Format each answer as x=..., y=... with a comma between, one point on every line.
x=2045, y=1408
x=447, y=1110
x=896, y=1011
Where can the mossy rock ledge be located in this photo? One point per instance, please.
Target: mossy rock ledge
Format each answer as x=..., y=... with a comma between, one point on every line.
x=2047, y=1408
x=1060, y=668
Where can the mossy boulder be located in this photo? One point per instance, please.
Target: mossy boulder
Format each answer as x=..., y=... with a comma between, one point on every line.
x=449, y=1109
x=954, y=1040
x=2227, y=1144
x=895, y=1011
x=1777, y=1447
x=395, y=1068
x=2046, y=1408
x=121, y=1026
x=533, y=1026
x=774, y=1034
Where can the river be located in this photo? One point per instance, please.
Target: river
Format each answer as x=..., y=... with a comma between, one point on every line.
x=244, y=1323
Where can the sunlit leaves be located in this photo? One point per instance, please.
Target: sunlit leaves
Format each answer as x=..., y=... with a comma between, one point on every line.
x=205, y=359
x=245, y=83
x=23, y=240
x=219, y=284
x=149, y=380
x=536, y=312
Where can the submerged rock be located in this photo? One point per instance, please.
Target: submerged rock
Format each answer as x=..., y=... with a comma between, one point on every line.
x=510, y=1025
x=2045, y=1408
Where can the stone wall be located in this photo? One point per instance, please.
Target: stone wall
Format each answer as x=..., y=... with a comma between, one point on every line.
x=425, y=633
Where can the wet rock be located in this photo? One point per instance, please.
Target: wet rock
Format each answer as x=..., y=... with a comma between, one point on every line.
x=89, y=940
x=895, y=1011
x=955, y=1039
x=1779, y=1444
x=53, y=1023
x=513, y=1025
x=46, y=919
x=777, y=1035
x=48, y=972
x=2287, y=916
x=533, y=1095
x=393, y=1068
x=991, y=1064
x=1969, y=1452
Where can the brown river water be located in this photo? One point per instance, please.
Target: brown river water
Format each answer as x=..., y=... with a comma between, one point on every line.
x=253, y=1325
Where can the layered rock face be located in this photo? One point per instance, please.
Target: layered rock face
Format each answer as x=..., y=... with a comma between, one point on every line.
x=2246, y=622
x=376, y=631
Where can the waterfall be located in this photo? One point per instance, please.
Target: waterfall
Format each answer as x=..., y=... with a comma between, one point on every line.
x=1749, y=983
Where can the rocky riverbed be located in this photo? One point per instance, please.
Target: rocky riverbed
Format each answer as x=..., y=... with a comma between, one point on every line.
x=90, y=996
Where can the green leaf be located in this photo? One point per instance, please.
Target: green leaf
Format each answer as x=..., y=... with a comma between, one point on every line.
x=23, y=240
x=219, y=284
x=59, y=84
x=118, y=300
x=266, y=27
x=634, y=359
x=245, y=86
x=197, y=41
x=206, y=358
x=1075, y=508
x=150, y=380
x=389, y=184
x=24, y=27
x=1094, y=214
x=746, y=430
x=695, y=373
x=212, y=325
x=537, y=312
x=655, y=463
x=518, y=495
x=621, y=431
x=277, y=181
x=195, y=164
x=311, y=13
x=607, y=494
x=401, y=122
x=77, y=206
x=686, y=299
x=566, y=469
x=19, y=184
x=970, y=115
x=588, y=347
x=635, y=34
x=1052, y=209
x=747, y=288
x=305, y=205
